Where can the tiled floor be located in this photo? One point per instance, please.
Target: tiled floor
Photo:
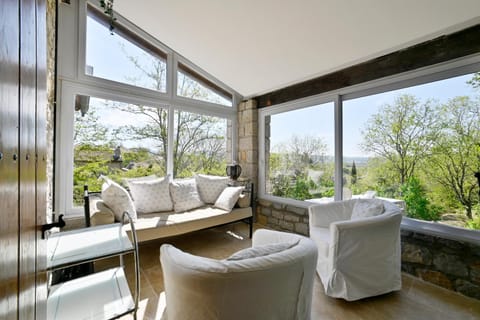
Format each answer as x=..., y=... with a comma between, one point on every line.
x=416, y=300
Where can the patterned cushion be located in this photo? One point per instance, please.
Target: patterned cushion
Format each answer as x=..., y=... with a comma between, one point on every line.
x=117, y=199
x=210, y=187
x=185, y=195
x=364, y=208
x=262, y=250
x=151, y=195
x=228, y=198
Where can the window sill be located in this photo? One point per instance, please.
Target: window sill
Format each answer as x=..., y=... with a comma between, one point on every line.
x=441, y=230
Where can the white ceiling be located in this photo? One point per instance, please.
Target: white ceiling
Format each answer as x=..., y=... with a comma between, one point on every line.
x=256, y=46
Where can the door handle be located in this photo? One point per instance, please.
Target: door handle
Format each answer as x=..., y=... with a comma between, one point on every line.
x=60, y=224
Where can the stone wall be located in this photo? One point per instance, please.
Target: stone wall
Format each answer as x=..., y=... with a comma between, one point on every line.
x=51, y=49
x=451, y=264
x=248, y=140
x=282, y=217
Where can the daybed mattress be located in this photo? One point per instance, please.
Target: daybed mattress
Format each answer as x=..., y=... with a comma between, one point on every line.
x=165, y=224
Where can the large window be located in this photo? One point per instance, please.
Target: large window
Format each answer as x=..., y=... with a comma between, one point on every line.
x=419, y=144
x=414, y=141
x=120, y=114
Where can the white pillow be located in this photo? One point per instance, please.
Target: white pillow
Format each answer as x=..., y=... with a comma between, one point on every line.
x=185, y=195
x=117, y=199
x=151, y=195
x=260, y=251
x=228, y=198
x=364, y=208
x=210, y=187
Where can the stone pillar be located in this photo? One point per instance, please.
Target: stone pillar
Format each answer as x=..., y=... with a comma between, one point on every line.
x=248, y=140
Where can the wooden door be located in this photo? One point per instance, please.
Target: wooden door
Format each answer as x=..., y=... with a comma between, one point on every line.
x=22, y=158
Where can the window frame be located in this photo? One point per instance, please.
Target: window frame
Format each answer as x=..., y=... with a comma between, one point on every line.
x=79, y=83
x=420, y=76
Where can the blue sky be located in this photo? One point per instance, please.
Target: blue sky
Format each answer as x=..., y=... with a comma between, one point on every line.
x=319, y=120
x=103, y=53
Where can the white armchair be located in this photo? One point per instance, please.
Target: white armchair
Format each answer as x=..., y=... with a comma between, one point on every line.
x=271, y=280
x=358, y=256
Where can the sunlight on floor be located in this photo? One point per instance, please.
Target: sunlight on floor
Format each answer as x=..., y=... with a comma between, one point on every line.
x=233, y=234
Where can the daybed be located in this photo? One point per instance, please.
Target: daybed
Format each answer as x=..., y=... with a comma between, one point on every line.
x=163, y=208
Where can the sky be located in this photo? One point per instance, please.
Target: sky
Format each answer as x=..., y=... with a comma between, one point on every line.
x=103, y=53
x=319, y=120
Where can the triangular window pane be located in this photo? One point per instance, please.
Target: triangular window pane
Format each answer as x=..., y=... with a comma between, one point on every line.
x=123, y=57
x=191, y=84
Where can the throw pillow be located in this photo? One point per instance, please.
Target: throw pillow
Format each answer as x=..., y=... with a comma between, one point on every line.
x=210, y=187
x=364, y=208
x=151, y=195
x=228, y=198
x=185, y=195
x=260, y=251
x=117, y=199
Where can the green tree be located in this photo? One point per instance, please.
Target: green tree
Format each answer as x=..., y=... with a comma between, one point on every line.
x=88, y=129
x=457, y=151
x=353, y=173
x=402, y=133
x=417, y=203
x=200, y=141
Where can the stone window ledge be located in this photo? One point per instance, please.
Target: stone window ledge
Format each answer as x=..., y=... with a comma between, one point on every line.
x=441, y=230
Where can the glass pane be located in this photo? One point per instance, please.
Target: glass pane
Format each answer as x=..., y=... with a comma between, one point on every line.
x=123, y=56
x=192, y=85
x=419, y=145
x=202, y=144
x=118, y=140
x=299, y=157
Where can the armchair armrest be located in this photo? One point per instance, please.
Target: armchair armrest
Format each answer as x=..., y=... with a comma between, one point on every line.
x=372, y=237
x=322, y=215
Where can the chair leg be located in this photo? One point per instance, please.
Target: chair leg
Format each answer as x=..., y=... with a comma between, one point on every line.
x=250, y=222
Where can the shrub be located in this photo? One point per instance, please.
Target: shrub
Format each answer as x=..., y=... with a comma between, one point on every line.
x=418, y=205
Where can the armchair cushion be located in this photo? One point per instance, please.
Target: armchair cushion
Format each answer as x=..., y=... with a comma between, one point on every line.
x=364, y=208
x=260, y=251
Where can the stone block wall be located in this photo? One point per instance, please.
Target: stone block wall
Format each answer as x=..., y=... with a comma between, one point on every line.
x=248, y=140
x=451, y=264
x=282, y=217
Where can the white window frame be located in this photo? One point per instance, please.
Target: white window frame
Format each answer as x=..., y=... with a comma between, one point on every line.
x=74, y=83
x=424, y=75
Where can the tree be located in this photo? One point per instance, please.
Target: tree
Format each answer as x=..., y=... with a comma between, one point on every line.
x=402, y=133
x=457, y=151
x=199, y=142
x=353, y=173
x=88, y=129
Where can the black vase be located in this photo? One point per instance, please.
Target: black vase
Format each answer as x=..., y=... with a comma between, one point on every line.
x=234, y=171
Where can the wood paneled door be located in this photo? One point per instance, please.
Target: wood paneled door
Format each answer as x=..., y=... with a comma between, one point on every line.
x=22, y=158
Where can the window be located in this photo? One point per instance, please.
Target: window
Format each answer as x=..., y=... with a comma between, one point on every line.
x=117, y=115
x=413, y=141
x=123, y=56
x=116, y=139
x=200, y=144
x=299, y=153
x=419, y=144
x=192, y=85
